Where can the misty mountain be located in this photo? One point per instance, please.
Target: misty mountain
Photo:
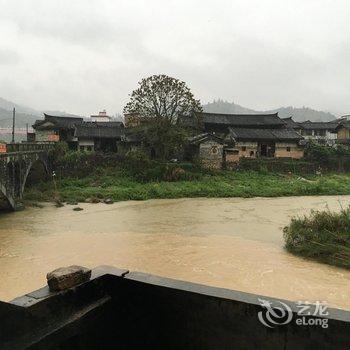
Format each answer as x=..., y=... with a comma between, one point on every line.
x=298, y=114
x=8, y=105
x=24, y=114
x=21, y=118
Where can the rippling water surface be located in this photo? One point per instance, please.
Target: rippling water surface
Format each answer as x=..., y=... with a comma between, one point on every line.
x=231, y=243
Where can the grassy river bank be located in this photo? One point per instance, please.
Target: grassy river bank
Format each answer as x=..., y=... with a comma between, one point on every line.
x=119, y=186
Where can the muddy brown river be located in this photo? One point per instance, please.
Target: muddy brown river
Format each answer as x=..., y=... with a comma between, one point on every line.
x=231, y=243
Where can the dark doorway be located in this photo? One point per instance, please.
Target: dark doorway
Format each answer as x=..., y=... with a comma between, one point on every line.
x=267, y=149
x=263, y=150
x=105, y=145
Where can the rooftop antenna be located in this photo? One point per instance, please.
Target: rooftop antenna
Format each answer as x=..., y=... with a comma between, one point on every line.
x=13, y=124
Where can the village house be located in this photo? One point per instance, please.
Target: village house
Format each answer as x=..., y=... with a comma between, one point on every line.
x=79, y=134
x=99, y=136
x=208, y=149
x=254, y=143
x=343, y=131
x=253, y=135
x=57, y=128
x=100, y=117
x=324, y=133
x=291, y=124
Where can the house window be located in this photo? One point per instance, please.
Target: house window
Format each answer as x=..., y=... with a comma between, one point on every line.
x=215, y=150
x=288, y=149
x=244, y=148
x=252, y=153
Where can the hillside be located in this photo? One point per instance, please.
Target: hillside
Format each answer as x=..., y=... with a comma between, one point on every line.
x=24, y=114
x=21, y=118
x=8, y=105
x=298, y=114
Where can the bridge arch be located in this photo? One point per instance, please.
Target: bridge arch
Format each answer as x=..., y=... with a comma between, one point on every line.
x=7, y=197
x=16, y=166
x=29, y=169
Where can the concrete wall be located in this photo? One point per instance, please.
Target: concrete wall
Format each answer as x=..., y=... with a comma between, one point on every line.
x=117, y=309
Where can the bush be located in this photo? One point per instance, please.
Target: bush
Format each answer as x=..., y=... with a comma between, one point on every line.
x=83, y=163
x=278, y=165
x=323, y=236
x=328, y=158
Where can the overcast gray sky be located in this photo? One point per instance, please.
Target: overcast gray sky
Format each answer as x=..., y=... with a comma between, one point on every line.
x=84, y=55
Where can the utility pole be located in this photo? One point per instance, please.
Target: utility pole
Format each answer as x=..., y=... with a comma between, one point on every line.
x=27, y=131
x=13, y=124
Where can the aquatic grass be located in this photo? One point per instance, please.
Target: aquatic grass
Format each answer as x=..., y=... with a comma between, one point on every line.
x=323, y=236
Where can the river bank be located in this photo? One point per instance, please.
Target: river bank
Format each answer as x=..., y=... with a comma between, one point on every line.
x=119, y=186
x=232, y=243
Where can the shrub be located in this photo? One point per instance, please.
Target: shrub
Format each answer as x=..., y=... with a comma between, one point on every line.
x=323, y=236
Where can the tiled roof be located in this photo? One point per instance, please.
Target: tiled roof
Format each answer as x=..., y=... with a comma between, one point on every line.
x=99, y=130
x=59, y=122
x=318, y=125
x=203, y=137
x=242, y=119
x=345, y=124
x=290, y=123
x=264, y=134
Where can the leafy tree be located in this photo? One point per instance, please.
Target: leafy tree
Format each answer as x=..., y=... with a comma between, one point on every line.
x=161, y=104
x=162, y=97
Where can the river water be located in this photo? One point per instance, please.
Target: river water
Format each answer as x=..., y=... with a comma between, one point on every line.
x=232, y=243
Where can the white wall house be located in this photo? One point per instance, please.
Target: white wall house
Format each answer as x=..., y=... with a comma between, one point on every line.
x=321, y=132
x=100, y=117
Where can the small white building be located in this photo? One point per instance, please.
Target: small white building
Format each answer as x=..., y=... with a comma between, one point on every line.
x=100, y=117
x=321, y=132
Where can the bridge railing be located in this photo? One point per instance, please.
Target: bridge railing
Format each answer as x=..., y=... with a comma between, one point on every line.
x=29, y=146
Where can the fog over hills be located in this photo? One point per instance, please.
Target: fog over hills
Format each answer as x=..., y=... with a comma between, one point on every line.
x=28, y=115
x=24, y=115
x=298, y=114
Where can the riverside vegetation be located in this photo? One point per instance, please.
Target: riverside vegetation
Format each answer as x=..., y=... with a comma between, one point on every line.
x=83, y=175
x=323, y=236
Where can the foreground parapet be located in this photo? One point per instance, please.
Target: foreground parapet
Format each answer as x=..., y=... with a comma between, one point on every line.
x=132, y=310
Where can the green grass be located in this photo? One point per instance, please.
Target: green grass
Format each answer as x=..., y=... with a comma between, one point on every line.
x=324, y=236
x=119, y=186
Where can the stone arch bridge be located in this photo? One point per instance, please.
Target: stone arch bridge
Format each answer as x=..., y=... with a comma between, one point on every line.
x=15, y=166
